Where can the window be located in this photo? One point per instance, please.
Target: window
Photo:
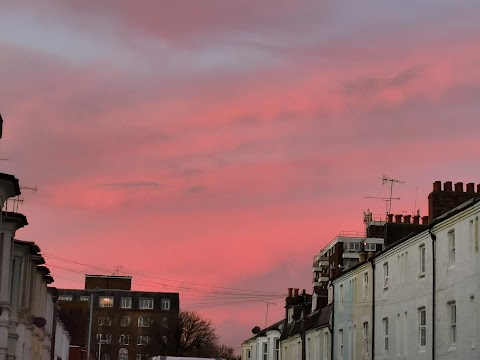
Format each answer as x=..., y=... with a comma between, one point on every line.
x=476, y=234
x=451, y=248
x=370, y=247
x=126, y=302
x=104, y=320
x=422, y=326
x=265, y=351
x=341, y=294
x=365, y=286
x=143, y=340
x=144, y=321
x=385, y=275
x=352, y=247
x=365, y=338
x=165, y=304
x=277, y=349
x=452, y=318
x=385, y=334
x=123, y=354
x=421, y=250
x=248, y=354
x=326, y=345
x=165, y=323
x=65, y=298
x=473, y=322
x=146, y=304
x=340, y=344
x=290, y=314
x=84, y=298
x=125, y=321
x=105, y=301
x=124, y=339
x=138, y=357
x=104, y=338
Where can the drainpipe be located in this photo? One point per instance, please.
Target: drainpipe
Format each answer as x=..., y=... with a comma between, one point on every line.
x=332, y=343
x=372, y=262
x=433, y=237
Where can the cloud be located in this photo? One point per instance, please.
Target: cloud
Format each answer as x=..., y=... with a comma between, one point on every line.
x=133, y=185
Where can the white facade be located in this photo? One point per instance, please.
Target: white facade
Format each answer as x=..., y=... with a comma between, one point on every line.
x=28, y=316
x=458, y=286
x=353, y=314
x=264, y=345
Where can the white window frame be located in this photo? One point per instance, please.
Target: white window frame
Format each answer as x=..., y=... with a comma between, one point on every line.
x=451, y=248
x=365, y=339
x=65, y=298
x=385, y=275
x=143, y=340
x=340, y=344
x=124, y=339
x=452, y=323
x=145, y=303
x=422, y=327
x=84, y=298
x=365, y=285
x=165, y=304
x=370, y=247
x=126, y=302
x=125, y=321
x=144, y=321
x=422, y=259
x=264, y=351
x=341, y=295
x=386, y=344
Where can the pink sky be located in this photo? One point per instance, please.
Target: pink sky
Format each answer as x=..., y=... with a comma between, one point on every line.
x=224, y=143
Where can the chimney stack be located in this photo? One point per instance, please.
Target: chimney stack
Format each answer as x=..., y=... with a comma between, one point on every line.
x=406, y=219
x=425, y=220
x=390, y=218
x=459, y=187
x=398, y=219
x=470, y=187
x=437, y=186
x=447, y=186
x=416, y=219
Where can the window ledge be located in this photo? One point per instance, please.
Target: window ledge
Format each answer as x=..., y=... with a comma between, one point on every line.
x=421, y=275
x=452, y=348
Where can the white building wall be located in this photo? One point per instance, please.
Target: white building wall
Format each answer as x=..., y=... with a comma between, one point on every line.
x=353, y=309
x=458, y=283
x=399, y=298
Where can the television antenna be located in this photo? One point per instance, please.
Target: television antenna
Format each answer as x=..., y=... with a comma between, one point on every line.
x=117, y=269
x=385, y=179
x=266, y=315
x=388, y=201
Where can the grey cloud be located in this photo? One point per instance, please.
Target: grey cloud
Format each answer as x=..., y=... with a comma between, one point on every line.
x=133, y=184
x=196, y=189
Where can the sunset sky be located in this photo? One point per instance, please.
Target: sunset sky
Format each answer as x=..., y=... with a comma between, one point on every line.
x=214, y=147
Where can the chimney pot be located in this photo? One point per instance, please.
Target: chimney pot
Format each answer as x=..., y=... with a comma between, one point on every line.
x=470, y=187
x=295, y=292
x=424, y=220
x=398, y=218
x=447, y=186
x=406, y=219
x=290, y=292
x=459, y=187
x=416, y=219
x=437, y=186
x=390, y=218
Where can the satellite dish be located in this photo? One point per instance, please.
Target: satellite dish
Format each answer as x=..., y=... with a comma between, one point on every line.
x=39, y=322
x=256, y=330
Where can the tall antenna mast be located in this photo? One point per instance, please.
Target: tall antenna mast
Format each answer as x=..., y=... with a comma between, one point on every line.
x=385, y=179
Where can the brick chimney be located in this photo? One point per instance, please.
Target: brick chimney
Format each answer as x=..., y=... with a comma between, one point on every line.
x=406, y=219
x=440, y=202
x=390, y=218
x=416, y=219
x=425, y=220
x=398, y=218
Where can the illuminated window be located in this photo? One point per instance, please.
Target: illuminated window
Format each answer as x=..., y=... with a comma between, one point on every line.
x=105, y=301
x=144, y=321
x=143, y=340
x=84, y=298
x=65, y=298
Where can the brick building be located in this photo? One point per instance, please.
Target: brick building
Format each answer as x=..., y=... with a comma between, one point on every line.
x=125, y=324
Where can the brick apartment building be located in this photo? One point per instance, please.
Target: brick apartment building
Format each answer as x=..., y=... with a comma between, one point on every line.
x=125, y=324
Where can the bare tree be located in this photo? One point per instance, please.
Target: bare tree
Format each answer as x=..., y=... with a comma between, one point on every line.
x=196, y=335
